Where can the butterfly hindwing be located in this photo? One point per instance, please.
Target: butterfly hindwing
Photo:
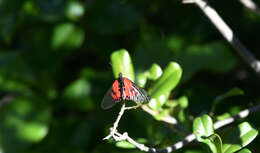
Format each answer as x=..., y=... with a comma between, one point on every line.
x=107, y=101
x=112, y=96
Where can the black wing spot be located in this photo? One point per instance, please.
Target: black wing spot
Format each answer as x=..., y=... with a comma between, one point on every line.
x=132, y=89
x=113, y=92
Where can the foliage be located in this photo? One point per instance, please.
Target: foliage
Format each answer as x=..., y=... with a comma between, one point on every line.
x=240, y=136
x=55, y=68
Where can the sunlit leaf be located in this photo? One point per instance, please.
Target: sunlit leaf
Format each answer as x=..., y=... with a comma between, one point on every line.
x=158, y=102
x=125, y=144
x=122, y=63
x=240, y=137
x=161, y=115
x=202, y=129
x=223, y=116
x=142, y=79
x=153, y=73
x=168, y=81
x=216, y=140
x=244, y=151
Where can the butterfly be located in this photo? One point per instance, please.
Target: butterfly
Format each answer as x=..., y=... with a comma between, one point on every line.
x=124, y=89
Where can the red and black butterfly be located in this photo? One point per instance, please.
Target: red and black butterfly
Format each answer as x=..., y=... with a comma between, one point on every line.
x=124, y=89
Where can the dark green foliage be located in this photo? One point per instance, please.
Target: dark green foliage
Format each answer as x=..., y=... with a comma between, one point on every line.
x=55, y=68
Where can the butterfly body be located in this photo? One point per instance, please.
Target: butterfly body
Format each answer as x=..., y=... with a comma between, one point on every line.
x=124, y=89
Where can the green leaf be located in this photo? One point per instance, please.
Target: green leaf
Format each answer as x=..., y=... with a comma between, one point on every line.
x=25, y=119
x=125, y=144
x=30, y=8
x=216, y=140
x=67, y=36
x=245, y=150
x=179, y=105
x=78, y=89
x=223, y=116
x=239, y=138
x=142, y=79
x=230, y=93
x=183, y=101
x=203, y=128
x=76, y=95
x=168, y=81
x=206, y=57
x=161, y=115
x=121, y=62
x=153, y=73
x=158, y=102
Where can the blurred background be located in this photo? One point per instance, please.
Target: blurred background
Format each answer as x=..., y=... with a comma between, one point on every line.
x=54, y=69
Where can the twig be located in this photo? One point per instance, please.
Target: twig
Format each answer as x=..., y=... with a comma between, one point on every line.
x=191, y=137
x=251, y=5
x=228, y=34
x=113, y=130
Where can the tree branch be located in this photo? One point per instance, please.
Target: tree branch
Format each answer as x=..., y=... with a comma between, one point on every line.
x=251, y=5
x=228, y=34
x=189, y=138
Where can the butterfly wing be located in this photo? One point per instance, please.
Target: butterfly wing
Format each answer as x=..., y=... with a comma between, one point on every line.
x=142, y=95
x=107, y=101
x=134, y=92
x=112, y=96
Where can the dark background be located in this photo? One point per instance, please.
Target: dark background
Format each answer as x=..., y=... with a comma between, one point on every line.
x=54, y=69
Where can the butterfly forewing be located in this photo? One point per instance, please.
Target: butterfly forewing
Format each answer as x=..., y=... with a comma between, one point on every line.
x=107, y=101
x=134, y=92
x=142, y=95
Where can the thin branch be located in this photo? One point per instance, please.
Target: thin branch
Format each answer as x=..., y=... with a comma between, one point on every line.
x=113, y=130
x=188, y=139
x=251, y=5
x=228, y=34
